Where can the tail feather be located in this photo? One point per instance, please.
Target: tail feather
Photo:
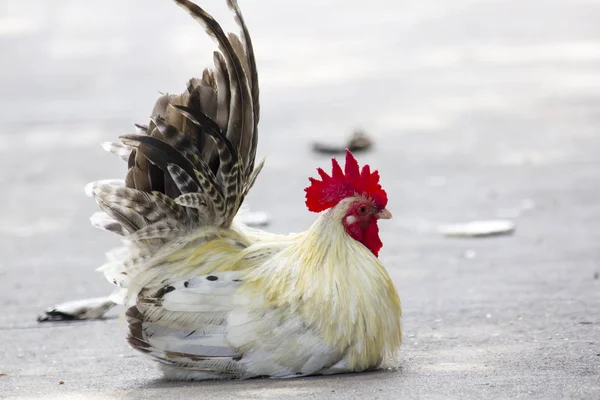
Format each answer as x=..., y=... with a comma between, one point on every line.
x=201, y=141
x=102, y=221
x=188, y=172
x=223, y=94
x=130, y=220
x=230, y=165
x=240, y=52
x=164, y=230
x=185, y=183
x=158, y=153
x=252, y=78
x=241, y=114
x=140, y=214
x=177, y=139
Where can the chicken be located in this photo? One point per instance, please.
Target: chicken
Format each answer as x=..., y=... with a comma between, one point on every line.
x=210, y=298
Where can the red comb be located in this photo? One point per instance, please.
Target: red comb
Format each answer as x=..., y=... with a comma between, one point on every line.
x=326, y=193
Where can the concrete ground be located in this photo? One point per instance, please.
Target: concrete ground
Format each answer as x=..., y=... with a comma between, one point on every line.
x=479, y=110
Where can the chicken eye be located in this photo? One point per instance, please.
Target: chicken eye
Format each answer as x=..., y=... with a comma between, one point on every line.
x=362, y=210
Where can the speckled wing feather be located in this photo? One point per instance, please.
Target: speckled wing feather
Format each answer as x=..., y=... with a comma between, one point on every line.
x=213, y=325
x=184, y=325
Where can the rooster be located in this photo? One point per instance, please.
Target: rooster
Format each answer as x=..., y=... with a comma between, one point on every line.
x=210, y=298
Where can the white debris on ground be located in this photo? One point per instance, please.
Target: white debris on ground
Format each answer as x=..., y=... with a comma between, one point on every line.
x=478, y=229
x=85, y=309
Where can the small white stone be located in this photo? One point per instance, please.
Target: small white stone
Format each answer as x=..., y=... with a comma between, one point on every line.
x=478, y=228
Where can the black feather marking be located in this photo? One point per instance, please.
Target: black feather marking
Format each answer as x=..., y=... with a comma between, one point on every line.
x=180, y=141
x=227, y=154
x=230, y=168
x=184, y=145
x=211, y=128
x=184, y=182
x=189, y=334
x=114, y=227
x=168, y=289
x=171, y=209
x=159, y=152
x=193, y=200
x=156, y=178
x=203, y=172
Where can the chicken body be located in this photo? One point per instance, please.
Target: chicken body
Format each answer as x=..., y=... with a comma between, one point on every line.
x=210, y=298
x=248, y=304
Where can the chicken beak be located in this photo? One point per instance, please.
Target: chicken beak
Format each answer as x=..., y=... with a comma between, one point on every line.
x=384, y=214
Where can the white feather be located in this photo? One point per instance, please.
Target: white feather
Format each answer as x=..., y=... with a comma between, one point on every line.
x=91, y=187
x=117, y=149
x=207, y=293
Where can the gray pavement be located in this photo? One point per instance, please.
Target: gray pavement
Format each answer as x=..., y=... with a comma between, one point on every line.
x=479, y=109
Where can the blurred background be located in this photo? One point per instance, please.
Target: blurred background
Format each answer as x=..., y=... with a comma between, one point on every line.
x=477, y=110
